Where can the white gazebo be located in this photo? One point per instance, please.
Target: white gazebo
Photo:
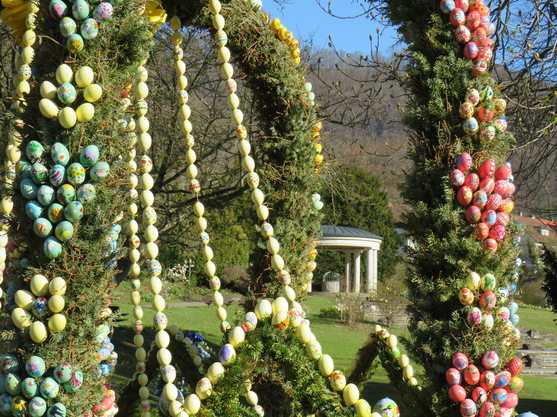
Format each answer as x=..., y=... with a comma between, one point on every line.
x=353, y=242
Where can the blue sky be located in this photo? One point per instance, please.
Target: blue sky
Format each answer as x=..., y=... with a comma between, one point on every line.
x=305, y=18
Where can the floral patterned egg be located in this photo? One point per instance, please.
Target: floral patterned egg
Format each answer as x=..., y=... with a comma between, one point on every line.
x=462, y=34
x=65, y=194
x=75, y=174
x=60, y=154
x=73, y=211
x=39, y=173
x=74, y=44
x=42, y=227
x=19, y=406
x=160, y=321
x=35, y=366
x=146, y=164
x=89, y=28
x=66, y=93
x=149, y=215
x=313, y=350
x=500, y=125
x=55, y=213
x=466, y=296
x=99, y=171
x=487, y=133
x=86, y=193
x=103, y=11
x=67, y=26
x=28, y=188
x=473, y=214
x=56, y=410
x=75, y=382
x=64, y=231
x=23, y=169
x=52, y=248
x=49, y=388
x=36, y=407
x=80, y=10
x=9, y=363
x=45, y=195
x=34, y=150
x=63, y=372
x=58, y=9
x=33, y=209
x=473, y=96
x=168, y=373
x=466, y=110
x=12, y=384
x=89, y=155
x=29, y=387
x=475, y=316
x=470, y=126
x=40, y=308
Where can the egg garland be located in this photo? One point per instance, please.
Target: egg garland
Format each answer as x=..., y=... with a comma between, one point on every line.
x=287, y=37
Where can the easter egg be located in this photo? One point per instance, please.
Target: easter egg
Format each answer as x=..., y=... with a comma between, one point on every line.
x=468, y=408
x=503, y=172
x=66, y=93
x=55, y=213
x=85, y=112
x=464, y=161
x=498, y=396
x=86, y=193
x=473, y=214
x=470, y=126
x=23, y=169
x=89, y=155
x=514, y=366
x=227, y=354
x=65, y=194
x=74, y=383
x=487, y=133
x=481, y=231
x=486, y=112
x=464, y=195
x=486, y=93
x=89, y=29
x=99, y=171
x=56, y=410
x=9, y=363
x=479, y=199
x=472, y=96
x=490, y=245
x=447, y=6
x=479, y=67
x=489, y=217
x=500, y=125
x=337, y=380
x=313, y=349
x=37, y=407
x=52, y=248
x=103, y=12
x=74, y=43
x=497, y=232
x=479, y=395
x=57, y=9
x=466, y=296
x=38, y=332
x=457, y=17
x=473, y=19
x=457, y=178
x=75, y=174
x=33, y=209
x=73, y=212
x=490, y=359
x=29, y=387
x=12, y=384
x=472, y=181
x=473, y=280
x=28, y=188
x=488, y=282
x=511, y=188
x=503, y=314
x=471, y=374
x=19, y=406
x=487, y=380
x=63, y=372
x=470, y=51
x=250, y=322
x=487, y=185
x=453, y=376
x=386, y=407
x=39, y=173
x=501, y=187
x=478, y=35
x=511, y=401
x=487, y=169
x=515, y=384
x=485, y=54
x=67, y=26
x=502, y=379
x=488, y=321
x=40, y=307
x=487, y=409
x=460, y=361
x=457, y=393
x=499, y=105
x=45, y=195
x=35, y=366
x=80, y=9
x=57, y=175
x=462, y=34
x=64, y=231
x=475, y=316
x=34, y=150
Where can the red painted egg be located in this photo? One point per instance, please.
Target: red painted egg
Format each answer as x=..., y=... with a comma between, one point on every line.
x=502, y=218
x=464, y=195
x=100, y=409
x=471, y=374
x=481, y=231
x=473, y=214
x=493, y=202
x=466, y=297
x=487, y=169
x=462, y=34
x=502, y=379
x=462, y=4
x=501, y=187
x=483, y=10
x=498, y=232
x=468, y=408
x=488, y=300
x=515, y=384
x=503, y=172
x=488, y=185
x=479, y=67
x=487, y=410
x=473, y=20
x=486, y=112
x=466, y=109
x=490, y=359
x=470, y=50
x=510, y=191
x=472, y=181
x=479, y=395
x=498, y=396
x=457, y=393
x=487, y=380
x=486, y=42
x=514, y=366
x=506, y=205
x=460, y=361
x=511, y=401
x=457, y=178
x=453, y=376
x=479, y=199
x=464, y=161
x=478, y=35
x=457, y=17
x=486, y=54
x=490, y=245
x=489, y=217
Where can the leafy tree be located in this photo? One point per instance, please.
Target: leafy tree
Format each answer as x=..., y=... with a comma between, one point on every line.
x=550, y=282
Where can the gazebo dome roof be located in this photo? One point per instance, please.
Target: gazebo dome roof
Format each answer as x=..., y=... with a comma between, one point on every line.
x=337, y=231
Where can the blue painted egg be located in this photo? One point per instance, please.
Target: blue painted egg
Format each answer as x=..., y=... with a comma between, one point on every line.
x=34, y=150
x=12, y=384
x=63, y=373
x=117, y=228
x=9, y=362
x=36, y=407
x=80, y=9
x=40, y=308
x=103, y=11
x=75, y=382
x=55, y=213
x=5, y=404
x=67, y=26
x=23, y=169
x=42, y=227
x=470, y=126
x=35, y=366
x=52, y=248
x=89, y=29
x=58, y=9
x=65, y=194
x=73, y=211
x=60, y=154
x=75, y=174
x=64, y=231
x=45, y=195
x=28, y=188
x=86, y=193
x=39, y=173
x=49, y=388
x=99, y=171
x=227, y=354
x=74, y=44
x=57, y=410
x=57, y=175
x=155, y=267
x=66, y=93
x=29, y=387
x=89, y=155
x=33, y=209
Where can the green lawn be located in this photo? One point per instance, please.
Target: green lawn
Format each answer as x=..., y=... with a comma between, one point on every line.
x=341, y=343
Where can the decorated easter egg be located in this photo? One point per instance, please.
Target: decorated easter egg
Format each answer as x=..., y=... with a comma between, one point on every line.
x=33, y=209
x=470, y=50
x=99, y=171
x=42, y=227
x=385, y=407
x=73, y=212
x=488, y=321
x=473, y=280
x=487, y=380
x=472, y=181
x=462, y=34
x=55, y=213
x=23, y=169
x=64, y=231
x=63, y=372
x=103, y=12
x=503, y=314
x=473, y=96
x=500, y=125
x=28, y=188
x=447, y=6
x=9, y=363
x=470, y=126
x=67, y=26
x=457, y=393
x=497, y=232
x=49, y=388
x=29, y=387
x=510, y=402
x=39, y=173
x=86, y=193
x=464, y=161
x=75, y=382
x=481, y=231
x=45, y=195
x=56, y=410
x=490, y=359
x=89, y=155
x=160, y=321
x=486, y=112
x=65, y=194
x=19, y=406
x=514, y=366
x=34, y=150
x=501, y=187
x=468, y=408
x=487, y=169
x=227, y=354
x=488, y=282
x=35, y=366
x=474, y=316
x=487, y=185
x=52, y=248
x=75, y=174
x=499, y=105
x=313, y=349
x=12, y=383
x=457, y=17
x=478, y=35
x=489, y=217
x=453, y=376
x=40, y=307
x=486, y=93
x=66, y=93
x=502, y=379
x=80, y=9
x=457, y=178
x=250, y=322
x=479, y=199
x=503, y=172
x=471, y=374
x=485, y=53
x=57, y=175
x=466, y=296
x=487, y=133
x=89, y=29
x=466, y=110
x=487, y=409
x=74, y=43
x=464, y=195
x=498, y=396
x=37, y=407
x=473, y=19
x=479, y=67
x=479, y=395
x=511, y=188
x=515, y=384
x=490, y=245
x=57, y=9
x=337, y=380
x=473, y=214
x=460, y=361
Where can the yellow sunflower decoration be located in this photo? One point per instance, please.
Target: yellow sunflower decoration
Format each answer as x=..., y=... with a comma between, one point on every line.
x=155, y=12
x=15, y=12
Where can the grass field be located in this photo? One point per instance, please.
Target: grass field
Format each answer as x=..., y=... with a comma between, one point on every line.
x=341, y=342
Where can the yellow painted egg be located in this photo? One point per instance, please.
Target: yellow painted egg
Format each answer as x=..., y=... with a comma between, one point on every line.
x=164, y=357
x=151, y=250
x=39, y=285
x=280, y=320
x=408, y=372
x=237, y=336
x=350, y=394
x=24, y=299
x=56, y=303
x=158, y=302
x=84, y=76
x=85, y=112
x=170, y=392
x=48, y=90
x=263, y=309
x=277, y=262
x=363, y=409
x=57, y=286
x=57, y=323
x=279, y=304
x=141, y=90
x=64, y=74
x=215, y=372
x=326, y=365
x=204, y=388
x=21, y=318
x=192, y=403
x=337, y=380
x=28, y=54
x=67, y=117
x=403, y=361
x=38, y=332
x=304, y=333
x=289, y=293
x=314, y=350
x=92, y=92
x=48, y=108
x=473, y=281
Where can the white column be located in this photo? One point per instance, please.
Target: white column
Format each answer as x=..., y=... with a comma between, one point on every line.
x=357, y=271
x=347, y=258
x=374, y=272
x=370, y=285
